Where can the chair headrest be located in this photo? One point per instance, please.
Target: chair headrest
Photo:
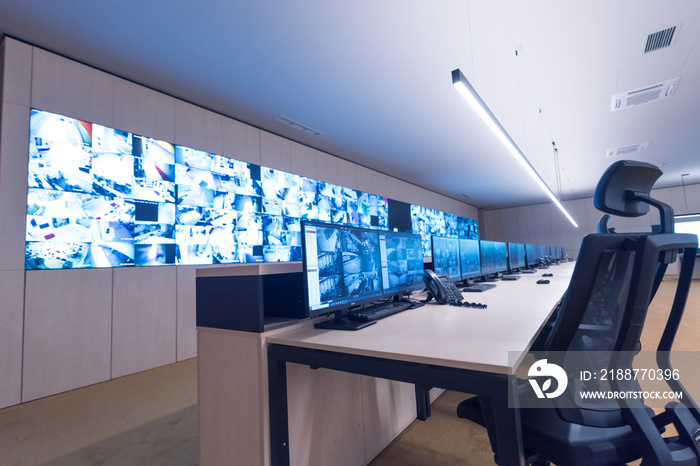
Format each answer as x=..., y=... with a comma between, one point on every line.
x=621, y=184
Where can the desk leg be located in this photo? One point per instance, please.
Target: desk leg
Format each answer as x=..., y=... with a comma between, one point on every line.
x=422, y=402
x=509, y=436
x=279, y=421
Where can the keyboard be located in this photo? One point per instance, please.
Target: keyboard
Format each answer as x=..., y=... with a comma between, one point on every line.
x=378, y=311
x=479, y=287
x=510, y=277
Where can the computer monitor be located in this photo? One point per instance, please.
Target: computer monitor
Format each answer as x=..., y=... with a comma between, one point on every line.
x=542, y=253
x=469, y=259
x=560, y=253
x=488, y=258
x=691, y=225
x=531, y=256
x=501, y=255
x=402, y=263
x=516, y=256
x=342, y=269
x=446, y=257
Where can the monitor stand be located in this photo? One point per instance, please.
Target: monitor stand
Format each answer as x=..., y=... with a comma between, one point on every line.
x=341, y=322
x=465, y=283
x=491, y=278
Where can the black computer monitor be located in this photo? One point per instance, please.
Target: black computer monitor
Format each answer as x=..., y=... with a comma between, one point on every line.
x=342, y=269
x=488, y=258
x=469, y=259
x=446, y=257
x=687, y=224
x=402, y=262
x=559, y=253
x=516, y=256
x=531, y=256
x=501, y=255
x=542, y=254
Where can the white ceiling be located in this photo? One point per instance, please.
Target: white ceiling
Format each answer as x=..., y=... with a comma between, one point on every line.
x=373, y=77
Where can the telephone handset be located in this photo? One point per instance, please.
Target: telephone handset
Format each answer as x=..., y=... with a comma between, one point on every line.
x=440, y=288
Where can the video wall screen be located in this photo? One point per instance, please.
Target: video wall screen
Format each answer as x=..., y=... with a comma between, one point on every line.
x=427, y=222
x=101, y=197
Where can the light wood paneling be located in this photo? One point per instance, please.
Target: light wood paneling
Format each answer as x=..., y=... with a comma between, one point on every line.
x=347, y=174
x=66, y=330
x=72, y=89
x=11, y=322
x=275, y=152
x=388, y=407
x=303, y=160
x=241, y=141
x=364, y=180
x=143, y=111
x=325, y=405
x=186, y=312
x=231, y=399
x=327, y=167
x=143, y=327
x=198, y=128
x=17, y=76
x=13, y=185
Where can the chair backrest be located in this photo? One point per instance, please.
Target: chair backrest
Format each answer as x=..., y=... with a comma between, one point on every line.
x=614, y=281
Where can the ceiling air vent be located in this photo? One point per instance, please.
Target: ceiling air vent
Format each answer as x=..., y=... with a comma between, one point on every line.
x=660, y=39
x=652, y=93
x=627, y=150
x=293, y=124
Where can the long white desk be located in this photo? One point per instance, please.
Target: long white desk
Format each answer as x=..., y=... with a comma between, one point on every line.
x=456, y=348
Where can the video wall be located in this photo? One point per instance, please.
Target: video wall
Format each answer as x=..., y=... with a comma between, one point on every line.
x=100, y=197
x=427, y=222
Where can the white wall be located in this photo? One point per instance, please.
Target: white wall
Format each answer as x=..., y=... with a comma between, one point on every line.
x=61, y=330
x=545, y=224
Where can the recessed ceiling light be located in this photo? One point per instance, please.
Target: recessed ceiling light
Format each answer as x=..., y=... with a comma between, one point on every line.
x=298, y=126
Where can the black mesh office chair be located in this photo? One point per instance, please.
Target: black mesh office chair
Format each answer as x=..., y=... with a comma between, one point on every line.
x=601, y=317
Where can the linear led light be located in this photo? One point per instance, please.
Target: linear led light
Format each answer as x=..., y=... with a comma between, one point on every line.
x=468, y=92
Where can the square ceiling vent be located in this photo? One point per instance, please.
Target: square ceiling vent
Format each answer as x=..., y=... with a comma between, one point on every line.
x=645, y=95
x=627, y=150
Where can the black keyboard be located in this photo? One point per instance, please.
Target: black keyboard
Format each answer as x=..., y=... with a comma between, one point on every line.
x=479, y=287
x=378, y=311
x=510, y=277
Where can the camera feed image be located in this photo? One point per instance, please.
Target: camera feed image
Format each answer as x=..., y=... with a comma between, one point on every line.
x=500, y=252
x=404, y=262
x=446, y=256
x=488, y=257
x=469, y=257
x=73, y=230
x=427, y=222
x=111, y=198
x=349, y=263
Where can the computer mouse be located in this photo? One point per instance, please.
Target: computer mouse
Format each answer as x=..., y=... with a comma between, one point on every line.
x=542, y=282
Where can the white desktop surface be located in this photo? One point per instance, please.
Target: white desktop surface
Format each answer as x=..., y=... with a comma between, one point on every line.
x=459, y=337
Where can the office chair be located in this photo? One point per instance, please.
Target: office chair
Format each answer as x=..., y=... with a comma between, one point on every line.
x=598, y=325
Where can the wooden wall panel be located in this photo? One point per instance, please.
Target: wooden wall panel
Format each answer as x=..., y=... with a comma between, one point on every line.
x=67, y=330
